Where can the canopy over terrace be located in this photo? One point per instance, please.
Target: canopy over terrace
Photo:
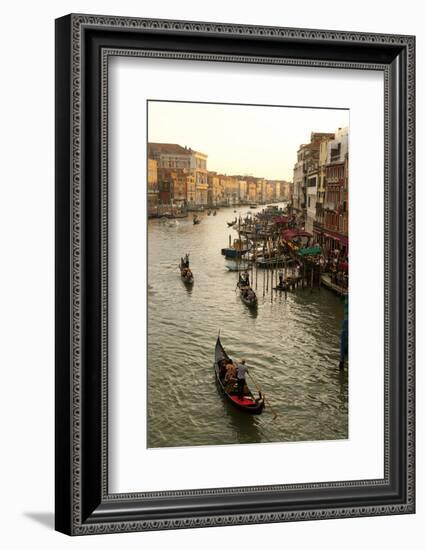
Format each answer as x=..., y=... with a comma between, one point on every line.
x=290, y=234
x=310, y=251
x=281, y=220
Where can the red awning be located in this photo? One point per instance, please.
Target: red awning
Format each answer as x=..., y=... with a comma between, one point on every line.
x=289, y=234
x=279, y=220
x=341, y=238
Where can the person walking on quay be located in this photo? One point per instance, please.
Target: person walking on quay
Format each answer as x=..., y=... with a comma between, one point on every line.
x=241, y=377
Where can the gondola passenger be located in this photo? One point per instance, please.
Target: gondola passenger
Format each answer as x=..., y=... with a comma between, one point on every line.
x=222, y=368
x=230, y=377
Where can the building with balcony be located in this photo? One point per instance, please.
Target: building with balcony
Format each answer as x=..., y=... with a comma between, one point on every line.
x=318, y=225
x=305, y=174
x=335, y=206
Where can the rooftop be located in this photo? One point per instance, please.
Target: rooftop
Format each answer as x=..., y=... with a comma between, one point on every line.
x=168, y=149
x=171, y=149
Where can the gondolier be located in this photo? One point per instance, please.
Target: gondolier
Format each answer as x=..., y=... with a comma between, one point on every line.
x=241, y=377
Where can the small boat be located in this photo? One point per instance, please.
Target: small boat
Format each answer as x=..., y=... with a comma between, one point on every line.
x=277, y=261
x=283, y=287
x=238, y=249
x=248, y=296
x=253, y=205
x=196, y=220
x=249, y=403
x=185, y=273
x=238, y=266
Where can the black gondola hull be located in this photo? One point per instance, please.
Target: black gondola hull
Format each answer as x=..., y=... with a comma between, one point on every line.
x=258, y=404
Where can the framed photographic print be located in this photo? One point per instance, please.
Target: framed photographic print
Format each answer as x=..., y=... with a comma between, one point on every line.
x=234, y=274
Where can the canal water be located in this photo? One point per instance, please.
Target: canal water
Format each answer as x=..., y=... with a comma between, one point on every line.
x=291, y=345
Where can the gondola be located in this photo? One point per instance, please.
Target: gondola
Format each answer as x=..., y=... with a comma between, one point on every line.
x=249, y=403
x=247, y=294
x=282, y=287
x=185, y=273
x=250, y=301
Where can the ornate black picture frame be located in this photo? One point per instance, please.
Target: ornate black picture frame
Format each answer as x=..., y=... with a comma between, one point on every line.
x=83, y=45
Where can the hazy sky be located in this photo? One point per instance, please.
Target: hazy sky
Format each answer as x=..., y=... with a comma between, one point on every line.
x=239, y=139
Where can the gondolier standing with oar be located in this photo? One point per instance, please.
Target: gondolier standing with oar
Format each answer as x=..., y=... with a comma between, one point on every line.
x=241, y=377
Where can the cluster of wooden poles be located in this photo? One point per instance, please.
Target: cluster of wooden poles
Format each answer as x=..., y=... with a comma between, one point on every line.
x=307, y=276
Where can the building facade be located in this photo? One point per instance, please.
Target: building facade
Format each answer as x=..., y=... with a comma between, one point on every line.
x=198, y=163
x=305, y=177
x=215, y=193
x=152, y=191
x=319, y=219
x=336, y=206
x=183, y=161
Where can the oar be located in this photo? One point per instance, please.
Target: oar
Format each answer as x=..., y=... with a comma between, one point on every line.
x=259, y=389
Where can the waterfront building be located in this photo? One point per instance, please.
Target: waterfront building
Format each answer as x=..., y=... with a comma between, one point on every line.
x=270, y=191
x=336, y=212
x=260, y=190
x=231, y=187
x=198, y=164
x=190, y=190
x=251, y=191
x=165, y=190
x=298, y=178
x=215, y=192
x=305, y=176
x=286, y=190
x=176, y=187
x=242, y=190
x=277, y=190
x=318, y=225
x=175, y=157
x=152, y=191
x=311, y=197
x=170, y=155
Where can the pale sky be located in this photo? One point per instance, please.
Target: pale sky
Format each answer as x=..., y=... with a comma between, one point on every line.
x=241, y=139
